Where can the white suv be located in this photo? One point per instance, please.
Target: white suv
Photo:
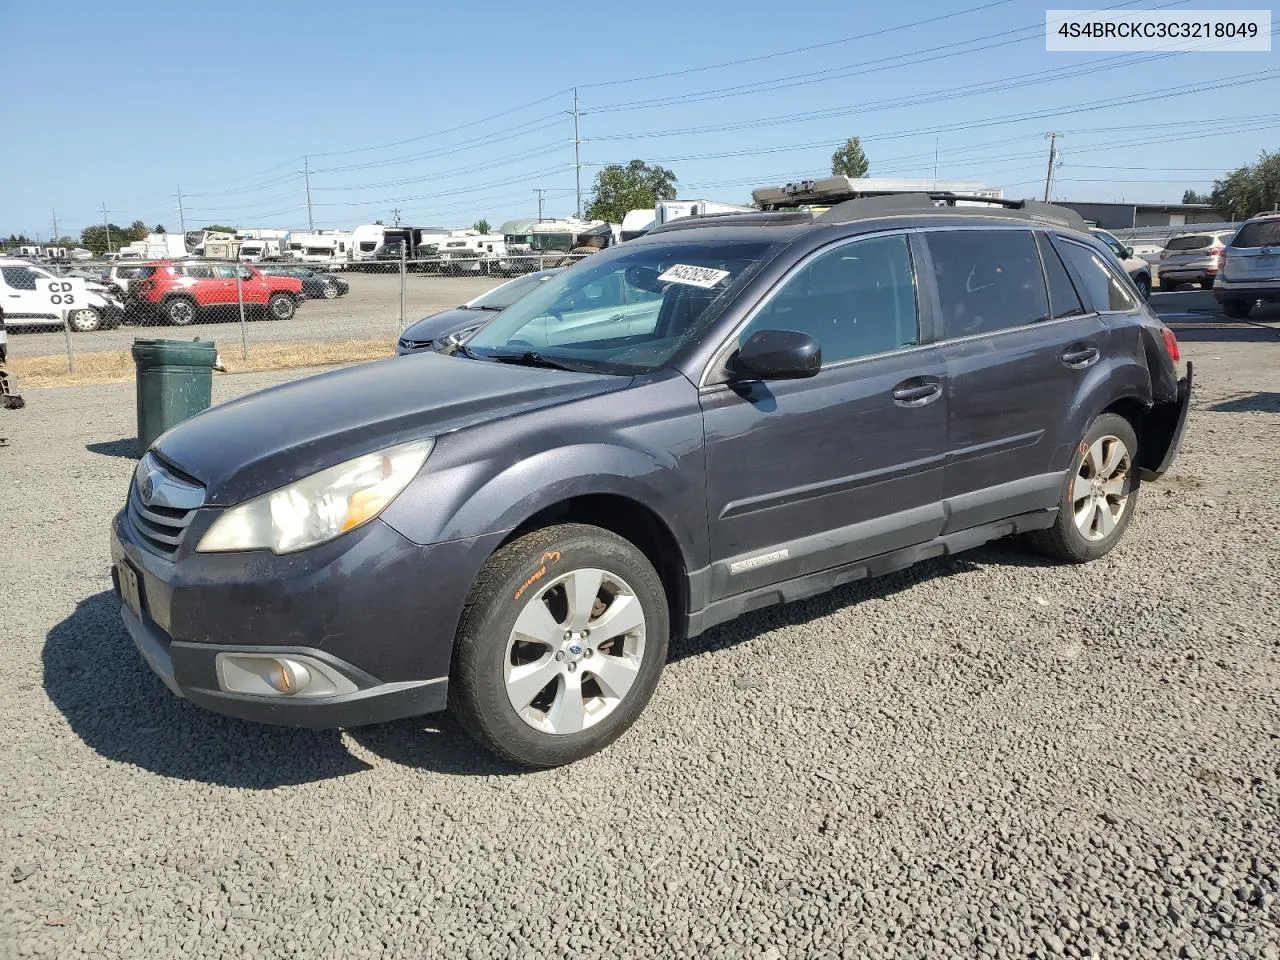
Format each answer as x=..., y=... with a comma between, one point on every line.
x=1250, y=268
x=26, y=304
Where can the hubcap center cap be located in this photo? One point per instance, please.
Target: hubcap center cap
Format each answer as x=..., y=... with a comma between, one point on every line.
x=575, y=648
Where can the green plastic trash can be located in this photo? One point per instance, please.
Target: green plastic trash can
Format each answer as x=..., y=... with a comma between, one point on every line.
x=175, y=381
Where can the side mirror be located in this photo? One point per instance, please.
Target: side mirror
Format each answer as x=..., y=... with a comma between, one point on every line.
x=1128, y=253
x=779, y=355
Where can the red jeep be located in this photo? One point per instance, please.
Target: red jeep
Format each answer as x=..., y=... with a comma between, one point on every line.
x=180, y=290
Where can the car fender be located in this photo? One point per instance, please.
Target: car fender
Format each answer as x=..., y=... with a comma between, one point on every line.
x=469, y=500
x=1103, y=386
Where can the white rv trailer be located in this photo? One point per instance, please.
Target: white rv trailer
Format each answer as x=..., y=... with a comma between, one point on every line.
x=327, y=249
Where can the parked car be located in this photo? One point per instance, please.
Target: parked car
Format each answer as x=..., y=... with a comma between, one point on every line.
x=1148, y=248
x=315, y=285
x=117, y=276
x=1137, y=268
x=28, y=303
x=181, y=290
x=1250, y=267
x=1192, y=258
x=518, y=528
x=429, y=332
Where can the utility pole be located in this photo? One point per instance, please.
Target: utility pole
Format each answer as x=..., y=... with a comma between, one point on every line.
x=539, y=192
x=106, y=226
x=1053, y=157
x=182, y=215
x=56, y=235
x=577, y=155
x=306, y=172
x=935, y=163
x=395, y=214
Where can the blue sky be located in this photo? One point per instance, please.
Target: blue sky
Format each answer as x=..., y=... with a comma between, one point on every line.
x=455, y=111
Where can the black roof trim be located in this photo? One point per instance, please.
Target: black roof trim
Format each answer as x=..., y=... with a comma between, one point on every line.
x=926, y=204
x=751, y=219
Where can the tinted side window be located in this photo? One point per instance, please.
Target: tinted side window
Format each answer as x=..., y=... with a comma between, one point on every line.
x=198, y=271
x=1063, y=299
x=855, y=300
x=1102, y=287
x=19, y=278
x=987, y=280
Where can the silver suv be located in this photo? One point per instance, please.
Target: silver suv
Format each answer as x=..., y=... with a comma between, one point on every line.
x=1192, y=258
x=1250, y=267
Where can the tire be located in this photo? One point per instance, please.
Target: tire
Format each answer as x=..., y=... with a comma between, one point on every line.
x=1168, y=286
x=1237, y=309
x=494, y=668
x=1143, y=284
x=1093, y=516
x=1206, y=284
x=180, y=311
x=84, y=319
x=329, y=291
x=281, y=306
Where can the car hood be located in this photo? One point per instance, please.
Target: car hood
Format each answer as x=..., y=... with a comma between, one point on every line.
x=257, y=443
x=444, y=323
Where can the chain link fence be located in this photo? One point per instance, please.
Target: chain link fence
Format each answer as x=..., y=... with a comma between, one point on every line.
x=242, y=305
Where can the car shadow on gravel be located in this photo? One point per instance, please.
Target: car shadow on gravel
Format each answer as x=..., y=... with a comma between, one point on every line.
x=1261, y=402
x=116, y=705
x=126, y=448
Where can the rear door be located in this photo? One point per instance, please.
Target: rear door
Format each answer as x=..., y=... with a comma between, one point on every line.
x=806, y=475
x=1014, y=360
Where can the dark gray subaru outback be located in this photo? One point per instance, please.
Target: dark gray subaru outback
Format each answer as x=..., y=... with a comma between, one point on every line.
x=729, y=412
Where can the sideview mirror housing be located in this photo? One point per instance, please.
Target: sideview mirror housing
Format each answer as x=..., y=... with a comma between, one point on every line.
x=778, y=355
x=1128, y=253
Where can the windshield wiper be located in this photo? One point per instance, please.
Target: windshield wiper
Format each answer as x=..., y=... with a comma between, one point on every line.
x=530, y=358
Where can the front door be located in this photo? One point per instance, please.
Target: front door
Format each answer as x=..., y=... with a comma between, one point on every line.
x=23, y=301
x=806, y=475
x=1015, y=361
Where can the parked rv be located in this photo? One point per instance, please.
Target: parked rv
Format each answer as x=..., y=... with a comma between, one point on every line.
x=540, y=244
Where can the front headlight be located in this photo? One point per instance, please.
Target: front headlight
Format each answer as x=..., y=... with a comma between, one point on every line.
x=320, y=507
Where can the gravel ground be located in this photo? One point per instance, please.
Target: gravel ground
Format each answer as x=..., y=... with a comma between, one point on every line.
x=371, y=309
x=983, y=756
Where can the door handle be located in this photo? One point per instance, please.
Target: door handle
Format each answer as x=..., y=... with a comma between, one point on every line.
x=916, y=393
x=1079, y=355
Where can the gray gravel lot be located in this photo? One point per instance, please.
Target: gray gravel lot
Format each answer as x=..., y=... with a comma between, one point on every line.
x=982, y=756
x=371, y=309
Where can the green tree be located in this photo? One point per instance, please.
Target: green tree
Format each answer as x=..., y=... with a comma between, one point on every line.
x=138, y=230
x=849, y=160
x=1190, y=196
x=481, y=226
x=219, y=228
x=159, y=228
x=1253, y=188
x=636, y=186
x=103, y=239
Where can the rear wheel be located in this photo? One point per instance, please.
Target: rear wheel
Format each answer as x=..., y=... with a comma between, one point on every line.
x=1099, y=495
x=84, y=319
x=1168, y=285
x=560, y=645
x=281, y=306
x=1237, y=309
x=180, y=311
x=1143, y=284
x=330, y=290
x=1206, y=284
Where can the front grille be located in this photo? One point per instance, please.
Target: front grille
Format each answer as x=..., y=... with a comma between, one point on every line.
x=160, y=528
x=162, y=506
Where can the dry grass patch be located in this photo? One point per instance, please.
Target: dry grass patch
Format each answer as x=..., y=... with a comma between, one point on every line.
x=116, y=366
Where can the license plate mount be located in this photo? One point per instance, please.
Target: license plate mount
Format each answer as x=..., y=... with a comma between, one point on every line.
x=130, y=587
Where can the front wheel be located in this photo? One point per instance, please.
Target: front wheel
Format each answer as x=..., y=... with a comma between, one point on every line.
x=1099, y=494
x=1237, y=309
x=329, y=291
x=560, y=645
x=281, y=307
x=84, y=319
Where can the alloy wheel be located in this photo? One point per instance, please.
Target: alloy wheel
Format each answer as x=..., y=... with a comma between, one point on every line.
x=1100, y=491
x=575, y=651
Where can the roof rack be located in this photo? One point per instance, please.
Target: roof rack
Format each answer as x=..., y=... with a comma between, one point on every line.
x=905, y=204
x=762, y=218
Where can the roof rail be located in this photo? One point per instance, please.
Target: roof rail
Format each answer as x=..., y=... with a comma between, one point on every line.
x=904, y=204
x=761, y=218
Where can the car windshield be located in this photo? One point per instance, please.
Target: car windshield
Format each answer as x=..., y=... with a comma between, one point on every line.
x=1259, y=233
x=624, y=311
x=499, y=298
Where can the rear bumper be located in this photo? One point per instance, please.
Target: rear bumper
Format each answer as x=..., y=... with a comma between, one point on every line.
x=1164, y=428
x=1224, y=290
x=1187, y=274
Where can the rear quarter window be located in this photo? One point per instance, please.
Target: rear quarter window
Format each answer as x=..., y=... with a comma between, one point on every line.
x=988, y=280
x=1102, y=286
x=1260, y=233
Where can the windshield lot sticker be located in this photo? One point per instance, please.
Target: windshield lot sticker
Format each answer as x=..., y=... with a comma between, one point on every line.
x=705, y=277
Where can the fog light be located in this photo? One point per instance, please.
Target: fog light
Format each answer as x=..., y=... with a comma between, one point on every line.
x=287, y=676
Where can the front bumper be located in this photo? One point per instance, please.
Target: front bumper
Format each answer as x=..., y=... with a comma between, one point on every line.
x=1248, y=290
x=371, y=606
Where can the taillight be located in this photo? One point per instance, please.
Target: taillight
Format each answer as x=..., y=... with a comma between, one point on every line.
x=1170, y=344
